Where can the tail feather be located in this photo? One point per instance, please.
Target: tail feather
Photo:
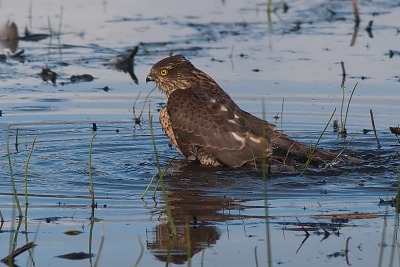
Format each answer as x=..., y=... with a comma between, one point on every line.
x=284, y=146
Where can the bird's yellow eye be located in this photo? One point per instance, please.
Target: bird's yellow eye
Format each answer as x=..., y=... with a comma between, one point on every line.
x=163, y=72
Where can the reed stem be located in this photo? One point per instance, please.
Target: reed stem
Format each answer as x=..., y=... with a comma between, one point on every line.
x=15, y=193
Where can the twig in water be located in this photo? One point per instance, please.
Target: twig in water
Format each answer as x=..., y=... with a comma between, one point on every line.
x=341, y=152
x=373, y=127
x=265, y=175
x=148, y=187
x=356, y=14
x=91, y=190
x=287, y=154
x=50, y=31
x=348, y=105
x=230, y=57
x=307, y=235
x=96, y=262
x=137, y=119
x=1, y=220
x=283, y=101
x=15, y=253
x=141, y=252
x=316, y=144
x=396, y=221
x=255, y=255
x=343, y=70
x=343, y=131
x=368, y=29
x=12, y=175
x=26, y=168
x=158, y=182
x=59, y=26
x=254, y=157
x=383, y=243
x=16, y=141
x=346, y=251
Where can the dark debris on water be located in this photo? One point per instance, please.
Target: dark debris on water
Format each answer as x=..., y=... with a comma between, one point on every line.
x=390, y=202
x=81, y=78
x=125, y=63
x=76, y=256
x=48, y=75
x=395, y=131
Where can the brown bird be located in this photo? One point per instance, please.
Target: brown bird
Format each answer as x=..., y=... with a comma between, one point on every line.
x=205, y=124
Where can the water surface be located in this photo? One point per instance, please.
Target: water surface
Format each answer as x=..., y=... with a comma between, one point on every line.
x=293, y=55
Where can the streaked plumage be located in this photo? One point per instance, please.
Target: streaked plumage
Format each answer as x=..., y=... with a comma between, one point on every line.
x=204, y=123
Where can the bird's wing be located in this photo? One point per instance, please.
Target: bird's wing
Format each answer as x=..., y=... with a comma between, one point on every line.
x=215, y=123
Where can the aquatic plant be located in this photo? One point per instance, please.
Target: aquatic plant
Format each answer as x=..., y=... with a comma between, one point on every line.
x=264, y=176
x=91, y=189
x=26, y=169
x=310, y=156
x=15, y=193
x=161, y=177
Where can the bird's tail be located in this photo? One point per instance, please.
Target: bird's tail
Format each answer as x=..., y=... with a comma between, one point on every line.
x=286, y=148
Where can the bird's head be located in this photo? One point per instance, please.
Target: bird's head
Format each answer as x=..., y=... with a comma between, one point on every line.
x=171, y=73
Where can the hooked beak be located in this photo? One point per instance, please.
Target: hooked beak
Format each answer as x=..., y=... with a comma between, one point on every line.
x=149, y=79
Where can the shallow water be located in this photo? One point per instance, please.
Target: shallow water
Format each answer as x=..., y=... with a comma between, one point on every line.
x=295, y=57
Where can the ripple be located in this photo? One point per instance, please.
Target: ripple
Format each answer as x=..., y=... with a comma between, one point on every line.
x=52, y=100
x=34, y=108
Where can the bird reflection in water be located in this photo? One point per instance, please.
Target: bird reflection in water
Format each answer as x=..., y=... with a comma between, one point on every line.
x=199, y=198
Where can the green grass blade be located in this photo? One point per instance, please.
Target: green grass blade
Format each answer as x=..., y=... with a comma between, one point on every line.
x=12, y=175
x=141, y=252
x=91, y=189
x=265, y=176
x=348, y=105
x=283, y=102
x=26, y=169
x=316, y=144
x=160, y=174
x=396, y=221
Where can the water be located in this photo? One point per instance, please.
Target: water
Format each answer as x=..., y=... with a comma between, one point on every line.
x=250, y=58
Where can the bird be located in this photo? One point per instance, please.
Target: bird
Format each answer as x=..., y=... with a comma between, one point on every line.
x=206, y=125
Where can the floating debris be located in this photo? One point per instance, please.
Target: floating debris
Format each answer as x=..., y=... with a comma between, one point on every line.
x=390, y=202
x=73, y=232
x=125, y=63
x=81, y=78
x=76, y=256
x=48, y=75
x=392, y=53
x=33, y=37
x=365, y=131
x=368, y=29
x=335, y=126
x=17, y=252
x=395, y=131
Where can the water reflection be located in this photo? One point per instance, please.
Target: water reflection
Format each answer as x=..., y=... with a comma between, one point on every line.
x=199, y=199
x=9, y=36
x=125, y=62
